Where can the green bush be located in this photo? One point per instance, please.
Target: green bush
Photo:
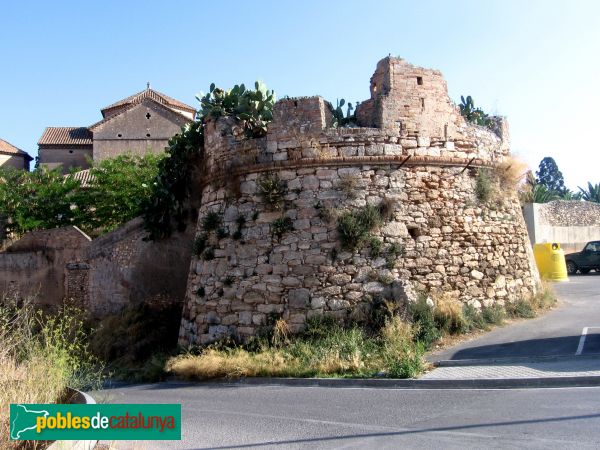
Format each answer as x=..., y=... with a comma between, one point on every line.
x=211, y=221
x=423, y=317
x=520, y=308
x=281, y=226
x=473, y=319
x=272, y=190
x=354, y=226
x=494, y=314
x=135, y=341
x=484, y=185
x=376, y=247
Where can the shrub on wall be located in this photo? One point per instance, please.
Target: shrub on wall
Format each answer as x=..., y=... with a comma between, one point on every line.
x=171, y=189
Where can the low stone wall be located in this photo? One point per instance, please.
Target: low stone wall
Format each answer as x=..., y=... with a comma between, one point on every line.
x=570, y=223
x=33, y=267
x=120, y=268
x=102, y=275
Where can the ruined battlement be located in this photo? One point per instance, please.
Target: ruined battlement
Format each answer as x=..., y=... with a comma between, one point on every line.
x=409, y=115
x=412, y=150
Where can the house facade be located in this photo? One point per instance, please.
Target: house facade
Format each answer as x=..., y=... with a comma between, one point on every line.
x=139, y=124
x=11, y=156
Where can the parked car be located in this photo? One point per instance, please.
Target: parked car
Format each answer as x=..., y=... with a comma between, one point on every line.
x=585, y=260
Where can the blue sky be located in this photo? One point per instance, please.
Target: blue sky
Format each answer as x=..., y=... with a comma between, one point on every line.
x=537, y=62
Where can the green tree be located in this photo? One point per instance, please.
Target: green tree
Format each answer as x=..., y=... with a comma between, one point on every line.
x=116, y=192
x=532, y=192
x=36, y=200
x=591, y=194
x=550, y=176
x=45, y=198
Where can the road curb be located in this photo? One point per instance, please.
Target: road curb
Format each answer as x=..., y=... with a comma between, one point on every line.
x=514, y=360
x=77, y=445
x=484, y=383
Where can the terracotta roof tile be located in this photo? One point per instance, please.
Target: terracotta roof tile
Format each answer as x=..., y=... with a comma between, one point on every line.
x=148, y=93
x=6, y=147
x=66, y=136
x=84, y=176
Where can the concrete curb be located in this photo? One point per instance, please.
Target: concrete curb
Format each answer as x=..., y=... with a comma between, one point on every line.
x=76, y=445
x=385, y=383
x=514, y=360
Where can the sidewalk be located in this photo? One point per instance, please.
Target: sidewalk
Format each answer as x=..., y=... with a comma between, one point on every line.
x=517, y=368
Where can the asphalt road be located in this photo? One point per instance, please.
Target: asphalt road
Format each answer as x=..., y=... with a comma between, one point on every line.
x=556, y=333
x=223, y=417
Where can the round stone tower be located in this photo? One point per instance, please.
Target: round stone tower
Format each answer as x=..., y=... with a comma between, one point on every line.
x=275, y=229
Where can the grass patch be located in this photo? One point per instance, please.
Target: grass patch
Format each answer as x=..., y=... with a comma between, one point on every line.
x=325, y=349
x=391, y=342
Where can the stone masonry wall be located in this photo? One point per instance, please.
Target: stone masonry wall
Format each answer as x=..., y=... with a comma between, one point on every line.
x=450, y=240
x=570, y=223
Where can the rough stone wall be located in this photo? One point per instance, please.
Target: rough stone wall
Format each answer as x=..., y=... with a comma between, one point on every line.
x=34, y=265
x=570, y=223
x=122, y=268
x=102, y=275
x=451, y=241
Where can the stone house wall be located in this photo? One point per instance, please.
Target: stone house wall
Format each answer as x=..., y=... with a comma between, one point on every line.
x=54, y=157
x=15, y=161
x=143, y=128
x=449, y=240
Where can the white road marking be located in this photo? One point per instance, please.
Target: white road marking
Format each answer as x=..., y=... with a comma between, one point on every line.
x=582, y=340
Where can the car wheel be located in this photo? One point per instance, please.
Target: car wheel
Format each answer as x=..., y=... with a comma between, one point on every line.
x=584, y=271
x=571, y=268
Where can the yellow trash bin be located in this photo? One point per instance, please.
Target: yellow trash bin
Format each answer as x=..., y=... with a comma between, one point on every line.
x=550, y=260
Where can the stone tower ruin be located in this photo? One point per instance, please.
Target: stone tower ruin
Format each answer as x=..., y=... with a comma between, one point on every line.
x=412, y=151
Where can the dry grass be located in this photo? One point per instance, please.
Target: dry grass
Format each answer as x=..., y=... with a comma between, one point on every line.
x=34, y=381
x=511, y=173
x=448, y=312
x=319, y=352
x=39, y=357
x=349, y=184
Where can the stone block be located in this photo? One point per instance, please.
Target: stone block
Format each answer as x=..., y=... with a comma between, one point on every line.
x=299, y=298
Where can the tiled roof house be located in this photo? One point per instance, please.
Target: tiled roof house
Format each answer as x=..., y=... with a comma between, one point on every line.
x=11, y=156
x=139, y=124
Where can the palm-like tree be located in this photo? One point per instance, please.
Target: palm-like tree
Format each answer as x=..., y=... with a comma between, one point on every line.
x=592, y=194
x=532, y=192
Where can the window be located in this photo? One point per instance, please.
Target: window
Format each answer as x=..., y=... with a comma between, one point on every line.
x=420, y=81
x=119, y=135
x=592, y=247
x=148, y=115
x=147, y=134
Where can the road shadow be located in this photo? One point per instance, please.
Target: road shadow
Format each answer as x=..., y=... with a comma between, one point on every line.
x=531, y=348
